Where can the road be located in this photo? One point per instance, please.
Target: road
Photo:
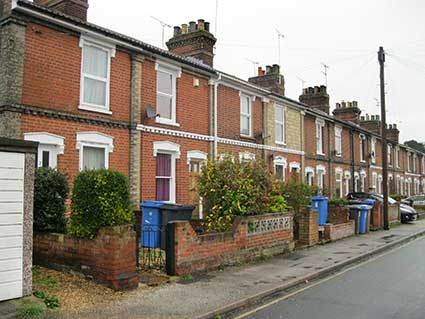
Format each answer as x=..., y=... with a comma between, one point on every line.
x=391, y=286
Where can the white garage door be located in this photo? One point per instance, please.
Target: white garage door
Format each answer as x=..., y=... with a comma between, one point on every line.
x=11, y=219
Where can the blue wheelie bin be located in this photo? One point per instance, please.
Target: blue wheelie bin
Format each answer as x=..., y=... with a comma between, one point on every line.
x=320, y=203
x=151, y=224
x=364, y=212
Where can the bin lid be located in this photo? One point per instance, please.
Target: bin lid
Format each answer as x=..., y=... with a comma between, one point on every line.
x=317, y=198
x=364, y=207
x=177, y=207
x=154, y=204
x=358, y=207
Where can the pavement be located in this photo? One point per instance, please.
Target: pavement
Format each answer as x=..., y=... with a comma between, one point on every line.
x=390, y=286
x=220, y=292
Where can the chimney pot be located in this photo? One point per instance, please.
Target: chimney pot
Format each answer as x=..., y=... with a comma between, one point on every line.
x=338, y=105
x=390, y=126
x=177, y=31
x=268, y=69
x=362, y=118
x=260, y=71
x=343, y=104
x=192, y=26
x=184, y=28
x=354, y=103
x=207, y=26
x=372, y=117
x=323, y=88
x=377, y=117
x=349, y=104
x=316, y=90
x=201, y=24
x=395, y=126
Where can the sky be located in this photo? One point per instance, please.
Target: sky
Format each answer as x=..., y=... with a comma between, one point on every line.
x=344, y=35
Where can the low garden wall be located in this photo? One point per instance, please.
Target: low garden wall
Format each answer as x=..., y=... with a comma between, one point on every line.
x=109, y=259
x=339, y=231
x=394, y=213
x=308, y=227
x=338, y=215
x=250, y=238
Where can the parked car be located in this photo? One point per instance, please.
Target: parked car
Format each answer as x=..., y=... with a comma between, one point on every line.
x=407, y=213
x=416, y=200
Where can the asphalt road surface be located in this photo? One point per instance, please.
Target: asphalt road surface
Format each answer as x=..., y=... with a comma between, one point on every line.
x=389, y=287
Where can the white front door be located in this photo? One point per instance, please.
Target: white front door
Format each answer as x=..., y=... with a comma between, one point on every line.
x=11, y=224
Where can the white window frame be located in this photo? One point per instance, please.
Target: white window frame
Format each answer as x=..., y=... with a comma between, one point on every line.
x=52, y=143
x=250, y=99
x=197, y=156
x=373, y=149
x=390, y=155
x=175, y=72
x=94, y=139
x=362, y=145
x=362, y=181
x=280, y=161
x=375, y=182
x=338, y=180
x=110, y=49
x=347, y=178
x=321, y=172
x=414, y=162
x=356, y=181
x=173, y=149
x=397, y=156
x=408, y=161
x=320, y=124
x=380, y=186
x=338, y=141
x=282, y=123
x=309, y=173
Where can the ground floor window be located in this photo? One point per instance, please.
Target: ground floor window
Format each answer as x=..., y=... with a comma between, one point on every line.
x=347, y=177
x=309, y=175
x=362, y=182
x=338, y=184
x=280, y=168
x=93, y=157
x=163, y=177
x=320, y=180
x=94, y=149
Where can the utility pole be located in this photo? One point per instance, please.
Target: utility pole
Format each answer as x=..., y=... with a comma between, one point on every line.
x=381, y=59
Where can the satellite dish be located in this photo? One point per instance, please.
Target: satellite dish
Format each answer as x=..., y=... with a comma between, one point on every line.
x=150, y=113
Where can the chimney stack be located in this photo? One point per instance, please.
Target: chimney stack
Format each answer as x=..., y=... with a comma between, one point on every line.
x=347, y=111
x=393, y=133
x=372, y=124
x=74, y=8
x=270, y=79
x=194, y=40
x=316, y=98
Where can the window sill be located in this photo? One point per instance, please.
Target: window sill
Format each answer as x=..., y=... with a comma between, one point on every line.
x=321, y=154
x=362, y=161
x=246, y=136
x=280, y=143
x=166, y=122
x=96, y=109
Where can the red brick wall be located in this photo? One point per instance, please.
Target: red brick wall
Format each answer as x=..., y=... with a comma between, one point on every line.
x=52, y=73
x=337, y=215
x=191, y=105
x=308, y=227
x=340, y=231
x=110, y=258
x=195, y=252
x=69, y=161
x=229, y=107
x=310, y=136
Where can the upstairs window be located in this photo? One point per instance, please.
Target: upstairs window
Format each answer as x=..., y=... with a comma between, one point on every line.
x=280, y=124
x=320, y=128
x=362, y=148
x=390, y=154
x=95, y=75
x=246, y=116
x=373, y=150
x=409, y=159
x=397, y=156
x=338, y=141
x=166, y=83
x=414, y=163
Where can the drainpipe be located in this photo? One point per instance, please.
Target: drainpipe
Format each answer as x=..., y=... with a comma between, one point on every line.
x=215, y=110
x=331, y=172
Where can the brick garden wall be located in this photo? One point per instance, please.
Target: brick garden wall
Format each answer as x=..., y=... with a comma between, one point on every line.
x=109, y=259
x=340, y=231
x=250, y=238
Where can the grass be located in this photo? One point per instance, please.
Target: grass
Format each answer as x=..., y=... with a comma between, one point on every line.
x=29, y=308
x=187, y=277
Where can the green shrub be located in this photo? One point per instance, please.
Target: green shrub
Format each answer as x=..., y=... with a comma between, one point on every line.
x=295, y=193
x=50, y=193
x=339, y=202
x=100, y=198
x=278, y=205
x=233, y=188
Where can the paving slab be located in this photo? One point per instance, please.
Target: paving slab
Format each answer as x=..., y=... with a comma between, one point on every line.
x=221, y=291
